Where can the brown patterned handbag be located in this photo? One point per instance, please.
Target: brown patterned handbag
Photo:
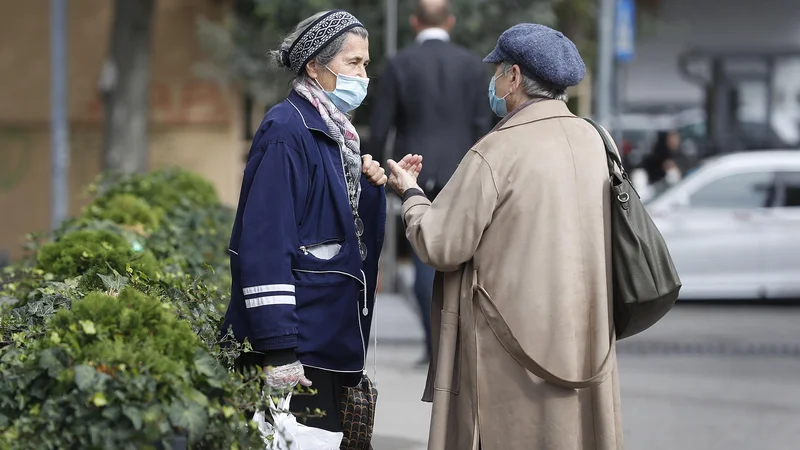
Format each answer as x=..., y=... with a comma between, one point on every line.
x=358, y=415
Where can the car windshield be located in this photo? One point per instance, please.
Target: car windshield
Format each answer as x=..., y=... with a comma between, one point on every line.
x=692, y=131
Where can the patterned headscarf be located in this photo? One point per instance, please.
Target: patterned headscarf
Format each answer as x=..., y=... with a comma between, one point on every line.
x=314, y=38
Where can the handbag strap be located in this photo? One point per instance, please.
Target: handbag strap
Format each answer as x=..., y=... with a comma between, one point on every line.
x=612, y=156
x=507, y=339
x=505, y=335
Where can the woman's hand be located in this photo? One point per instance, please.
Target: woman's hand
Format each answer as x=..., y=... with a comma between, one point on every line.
x=286, y=377
x=404, y=173
x=373, y=171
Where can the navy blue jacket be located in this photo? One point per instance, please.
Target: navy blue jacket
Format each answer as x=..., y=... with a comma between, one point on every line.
x=293, y=198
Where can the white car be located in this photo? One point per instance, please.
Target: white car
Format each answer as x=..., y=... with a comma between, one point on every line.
x=733, y=227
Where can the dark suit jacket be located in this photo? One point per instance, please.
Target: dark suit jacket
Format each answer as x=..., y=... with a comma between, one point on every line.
x=435, y=94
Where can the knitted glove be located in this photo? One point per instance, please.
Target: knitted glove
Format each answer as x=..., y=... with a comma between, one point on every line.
x=287, y=377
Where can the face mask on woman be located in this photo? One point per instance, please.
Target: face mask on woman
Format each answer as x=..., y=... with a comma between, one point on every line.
x=349, y=92
x=498, y=105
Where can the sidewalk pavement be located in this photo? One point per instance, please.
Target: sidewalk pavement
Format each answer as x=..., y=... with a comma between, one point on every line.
x=685, y=383
x=397, y=321
x=402, y=419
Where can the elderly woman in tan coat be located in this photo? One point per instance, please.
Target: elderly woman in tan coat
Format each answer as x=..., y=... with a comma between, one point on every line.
x=520, y=236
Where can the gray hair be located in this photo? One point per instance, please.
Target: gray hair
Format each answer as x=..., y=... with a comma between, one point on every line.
x=325, y=56
x=536, y=89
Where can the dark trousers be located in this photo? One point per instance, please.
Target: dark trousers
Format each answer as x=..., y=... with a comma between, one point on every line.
x=423, y=291
x=423, y=286
x=330, y=388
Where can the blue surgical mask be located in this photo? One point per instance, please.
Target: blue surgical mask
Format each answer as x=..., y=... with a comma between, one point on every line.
x=349, y=92
x=498, y=105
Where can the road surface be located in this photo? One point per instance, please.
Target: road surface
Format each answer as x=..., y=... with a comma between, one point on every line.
x=707, y=377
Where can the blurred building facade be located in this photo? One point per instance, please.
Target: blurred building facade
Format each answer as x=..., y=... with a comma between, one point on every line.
x=755, y=27
x=195, y=122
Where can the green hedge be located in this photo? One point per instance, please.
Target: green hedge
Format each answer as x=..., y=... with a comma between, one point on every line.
x=109, y=332
x=87, y=253
x=126, y=209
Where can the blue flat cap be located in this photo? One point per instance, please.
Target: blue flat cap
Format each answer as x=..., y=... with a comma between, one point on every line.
x=541, y=53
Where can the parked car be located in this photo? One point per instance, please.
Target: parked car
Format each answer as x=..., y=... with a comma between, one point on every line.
x=733, y=226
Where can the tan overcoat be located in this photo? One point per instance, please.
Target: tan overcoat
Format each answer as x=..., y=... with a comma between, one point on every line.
x=520, y=237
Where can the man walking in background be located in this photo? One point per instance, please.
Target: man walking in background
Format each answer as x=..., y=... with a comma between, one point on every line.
x=434, y=94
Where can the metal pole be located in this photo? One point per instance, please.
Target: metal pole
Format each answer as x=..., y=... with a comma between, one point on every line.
x=391, y=27
x=59, y=131
x=617, y=100
x=605, y=66
x=393, y=206
x=770, y=89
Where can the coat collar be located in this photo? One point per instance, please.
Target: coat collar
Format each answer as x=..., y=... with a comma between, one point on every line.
x=537, y=111
x=432, y=34
x=310, y=116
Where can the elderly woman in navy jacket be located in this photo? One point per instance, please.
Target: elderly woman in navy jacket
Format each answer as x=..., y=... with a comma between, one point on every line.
x=310, y=223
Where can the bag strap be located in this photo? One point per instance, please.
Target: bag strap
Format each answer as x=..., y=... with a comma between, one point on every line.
x=612, y=156
x=507, y=339
x=505, y=335
x=611, y=153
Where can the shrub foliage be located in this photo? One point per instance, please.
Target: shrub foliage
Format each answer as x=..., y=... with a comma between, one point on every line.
x=110, y=333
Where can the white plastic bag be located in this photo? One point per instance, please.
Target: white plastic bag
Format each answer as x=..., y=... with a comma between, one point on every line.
x=287, y=434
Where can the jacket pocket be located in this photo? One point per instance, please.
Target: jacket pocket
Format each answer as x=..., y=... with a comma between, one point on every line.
x=328, y=311
x=325, y=250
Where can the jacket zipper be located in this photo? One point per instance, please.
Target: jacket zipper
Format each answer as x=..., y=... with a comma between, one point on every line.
x=306, y=248
x=341, y=160
x=344, y=174
x=366, y=311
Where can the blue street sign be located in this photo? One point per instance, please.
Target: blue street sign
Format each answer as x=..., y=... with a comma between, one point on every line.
x=624, y=30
